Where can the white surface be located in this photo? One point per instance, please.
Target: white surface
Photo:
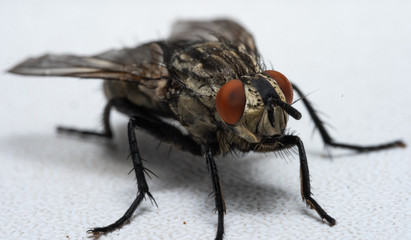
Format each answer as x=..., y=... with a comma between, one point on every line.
x=355, y=58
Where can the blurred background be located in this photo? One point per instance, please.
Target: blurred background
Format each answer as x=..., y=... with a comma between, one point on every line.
x=352, y=58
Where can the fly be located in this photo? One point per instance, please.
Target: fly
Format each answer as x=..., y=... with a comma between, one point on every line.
x=208, y=77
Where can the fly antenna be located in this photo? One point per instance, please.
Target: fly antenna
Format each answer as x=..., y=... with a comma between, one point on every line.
x=288, y=109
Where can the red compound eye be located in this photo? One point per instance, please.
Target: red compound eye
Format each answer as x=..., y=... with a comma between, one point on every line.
x=285, y=85
x=230, y=101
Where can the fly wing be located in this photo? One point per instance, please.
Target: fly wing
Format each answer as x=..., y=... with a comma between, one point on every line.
x=143, y=65
x=214, y=31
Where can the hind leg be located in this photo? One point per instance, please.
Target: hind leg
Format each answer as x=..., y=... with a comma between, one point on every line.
x=106, y=133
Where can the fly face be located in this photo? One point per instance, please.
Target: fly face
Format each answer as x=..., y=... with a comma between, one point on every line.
x=256, y=107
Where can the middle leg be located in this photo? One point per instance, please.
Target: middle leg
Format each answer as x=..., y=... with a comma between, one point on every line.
x=141, y=182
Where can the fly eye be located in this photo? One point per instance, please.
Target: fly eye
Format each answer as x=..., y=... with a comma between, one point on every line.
x=230, y=101
x=285, y=85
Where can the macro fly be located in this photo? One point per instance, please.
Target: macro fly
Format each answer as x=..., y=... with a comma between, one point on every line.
x=208, y=77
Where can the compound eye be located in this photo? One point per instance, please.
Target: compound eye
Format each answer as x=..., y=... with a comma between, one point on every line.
x=230, y=101
x=285, y=85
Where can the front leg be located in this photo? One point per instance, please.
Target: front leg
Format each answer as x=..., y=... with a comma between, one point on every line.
x=329, y=141
x=219, y=201
x=141, y=182
x=290, y=141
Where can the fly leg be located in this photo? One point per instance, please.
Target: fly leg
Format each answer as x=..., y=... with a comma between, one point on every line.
x=141, y=183
x=288, y=141
x=328, y=140
x=219, y=201
x=106, y=133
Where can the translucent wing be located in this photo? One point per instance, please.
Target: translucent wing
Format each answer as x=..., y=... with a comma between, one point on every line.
x=213, y=31
x=143, y=65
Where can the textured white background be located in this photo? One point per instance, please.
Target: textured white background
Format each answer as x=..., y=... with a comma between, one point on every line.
x=354, y=57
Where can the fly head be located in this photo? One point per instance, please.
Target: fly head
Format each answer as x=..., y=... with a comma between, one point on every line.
x=256, y=107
